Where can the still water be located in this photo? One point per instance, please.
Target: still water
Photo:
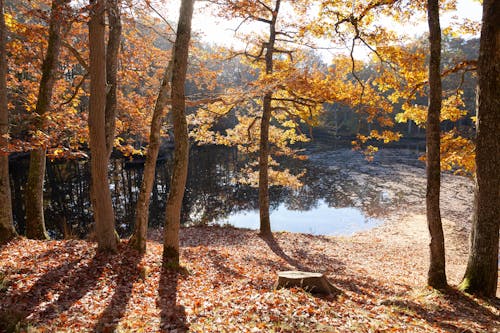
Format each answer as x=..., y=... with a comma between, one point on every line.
x=319, y=220
x=338, y=198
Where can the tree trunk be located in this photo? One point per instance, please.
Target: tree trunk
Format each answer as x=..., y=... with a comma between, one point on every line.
x=265, y=222
x=35, y=222
x=481, y=275
x=181, y=149
x=7, y=230
x=99, y=189
x=138, y=239
x=113, y=47
x=436, y=276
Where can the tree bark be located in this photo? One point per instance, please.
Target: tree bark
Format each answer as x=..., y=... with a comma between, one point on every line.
x=35, y=222
x=7, y=230
x=138, y=239
x=436, y=276
x=112, y=51
x=99, y=190
x=265, y=222
x=481, y=275
x=181, y=149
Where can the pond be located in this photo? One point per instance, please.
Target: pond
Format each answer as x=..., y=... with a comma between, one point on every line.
x=343, y=193
x=319, y=220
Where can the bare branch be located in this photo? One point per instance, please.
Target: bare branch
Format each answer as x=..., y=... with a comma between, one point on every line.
x=287, y=52
x=75, y=92
x=148, y=3
x=77, y=55
x=241, y=23
x=261, y=19
x=249, y=129
x=465, y=66
x=355, y=75
x=167, y=36
x=265, y=6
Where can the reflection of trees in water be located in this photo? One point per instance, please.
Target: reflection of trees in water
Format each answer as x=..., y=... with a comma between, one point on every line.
x=18, y=177
x=211, y=192
x=66, y=193
x=338, y=189
x=66, y=197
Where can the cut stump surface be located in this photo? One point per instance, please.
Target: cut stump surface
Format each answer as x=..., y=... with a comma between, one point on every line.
x=309, y=281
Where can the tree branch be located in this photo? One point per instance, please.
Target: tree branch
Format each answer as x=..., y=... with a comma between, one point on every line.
x=77, y=55
x=77, y=89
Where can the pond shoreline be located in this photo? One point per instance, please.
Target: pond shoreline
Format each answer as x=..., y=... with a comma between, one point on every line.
x=336, y=179
x=402, y=174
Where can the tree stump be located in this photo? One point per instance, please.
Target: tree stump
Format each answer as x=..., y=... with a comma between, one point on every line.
x=309, y=281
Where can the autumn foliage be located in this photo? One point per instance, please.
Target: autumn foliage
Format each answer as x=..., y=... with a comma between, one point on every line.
x=299, y=66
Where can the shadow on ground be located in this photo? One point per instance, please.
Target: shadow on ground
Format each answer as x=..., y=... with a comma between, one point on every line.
x=127, y=273
x=172, y=315
x=448, y=310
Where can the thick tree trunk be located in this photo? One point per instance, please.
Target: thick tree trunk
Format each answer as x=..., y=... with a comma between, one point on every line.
x=138, y=239
x=7, y=231
x=113, y=48
x=437, y=275
x=265, y=222
x=99, y=189
x=181, y=149
x=35, y=222
x=481, y=275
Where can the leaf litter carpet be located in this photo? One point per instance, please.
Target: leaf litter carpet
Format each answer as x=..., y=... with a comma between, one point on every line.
x=226, y=284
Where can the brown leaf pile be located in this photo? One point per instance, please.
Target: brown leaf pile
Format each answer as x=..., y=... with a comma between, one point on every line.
x=228, y=285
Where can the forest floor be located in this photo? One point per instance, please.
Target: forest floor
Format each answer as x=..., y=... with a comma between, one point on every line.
x=228, y=276
x=228, y=284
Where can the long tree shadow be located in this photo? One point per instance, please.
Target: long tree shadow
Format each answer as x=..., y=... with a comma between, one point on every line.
x=15, y=308
x=465, y=304
x=276, y=248
x=462, y=308
x=77, y=284
x=366, y=287
x=127, y=273
x=220, y=263
x=302, y=259
x=172, y=315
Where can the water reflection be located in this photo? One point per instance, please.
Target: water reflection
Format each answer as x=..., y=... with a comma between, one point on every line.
x=340, y=193
x=318, y=220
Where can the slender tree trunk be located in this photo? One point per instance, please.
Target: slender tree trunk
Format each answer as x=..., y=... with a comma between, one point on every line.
x=113, y=47
x=99, y=190
x=35, y=222
x=181, y=149
x=265, y=222
x=138, y=239
x=436, y=276
x=7, y=230
x=481, y=275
